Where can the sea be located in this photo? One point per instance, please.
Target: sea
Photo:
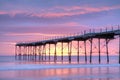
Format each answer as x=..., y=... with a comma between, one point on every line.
x=12, y=69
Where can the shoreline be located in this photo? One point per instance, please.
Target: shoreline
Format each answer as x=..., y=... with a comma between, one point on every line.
x=53, y=66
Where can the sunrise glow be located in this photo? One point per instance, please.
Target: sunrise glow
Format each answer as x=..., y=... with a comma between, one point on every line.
x=36, y=20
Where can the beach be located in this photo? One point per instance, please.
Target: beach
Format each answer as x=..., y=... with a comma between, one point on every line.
x=12, y=69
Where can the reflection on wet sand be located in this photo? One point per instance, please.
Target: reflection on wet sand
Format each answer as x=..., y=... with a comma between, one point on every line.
x=94, y=73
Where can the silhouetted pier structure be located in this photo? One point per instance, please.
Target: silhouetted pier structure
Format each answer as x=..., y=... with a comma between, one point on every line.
x=31, y=50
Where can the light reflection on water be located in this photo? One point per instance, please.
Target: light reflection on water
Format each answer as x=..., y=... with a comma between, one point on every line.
x=83, y=73
x=96, y=73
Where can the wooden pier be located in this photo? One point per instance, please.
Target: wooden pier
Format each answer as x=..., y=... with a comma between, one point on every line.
x=30, y=50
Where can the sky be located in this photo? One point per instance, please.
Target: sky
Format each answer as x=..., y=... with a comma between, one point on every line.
x=34, y=20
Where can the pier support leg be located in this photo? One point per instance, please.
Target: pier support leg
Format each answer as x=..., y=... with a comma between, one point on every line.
x=85, y=51
x=24, y=53
x=90, y=50
x=31, y=53
x=39, y=53
x=15, y=52
x=49, y=52
x=107, y=41
x=35, y=53
x=119, y=49
x=28, y=52
x=20, y=55
x=42, y=52
x=99, y=50
x=55, y=56
x=45, y=52
x=62, y=51
x=78, y=52
x=70, y=52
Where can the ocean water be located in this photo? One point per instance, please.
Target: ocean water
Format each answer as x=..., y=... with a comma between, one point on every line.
x=11, y=69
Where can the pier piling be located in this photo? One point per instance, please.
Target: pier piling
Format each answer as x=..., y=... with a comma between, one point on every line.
x=62, y=51
x=85, y=52
x=99, y=50
x=91, y=43
x=78, y=51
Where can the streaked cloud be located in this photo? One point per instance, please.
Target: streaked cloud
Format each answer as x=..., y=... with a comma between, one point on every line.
x=75, y=10
x=32, y=34
x=61, y=11
x=8, y=43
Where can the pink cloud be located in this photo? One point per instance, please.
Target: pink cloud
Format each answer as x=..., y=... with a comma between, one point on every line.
x=3, y=12
x=68, y=24
x=72, y=24
x=9, y=43
x=14, y=12
x=67, y=11
x=32, y=34
x=87, y=8
x=75, y=10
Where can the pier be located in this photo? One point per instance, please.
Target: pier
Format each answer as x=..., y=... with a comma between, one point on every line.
x=39, y=51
